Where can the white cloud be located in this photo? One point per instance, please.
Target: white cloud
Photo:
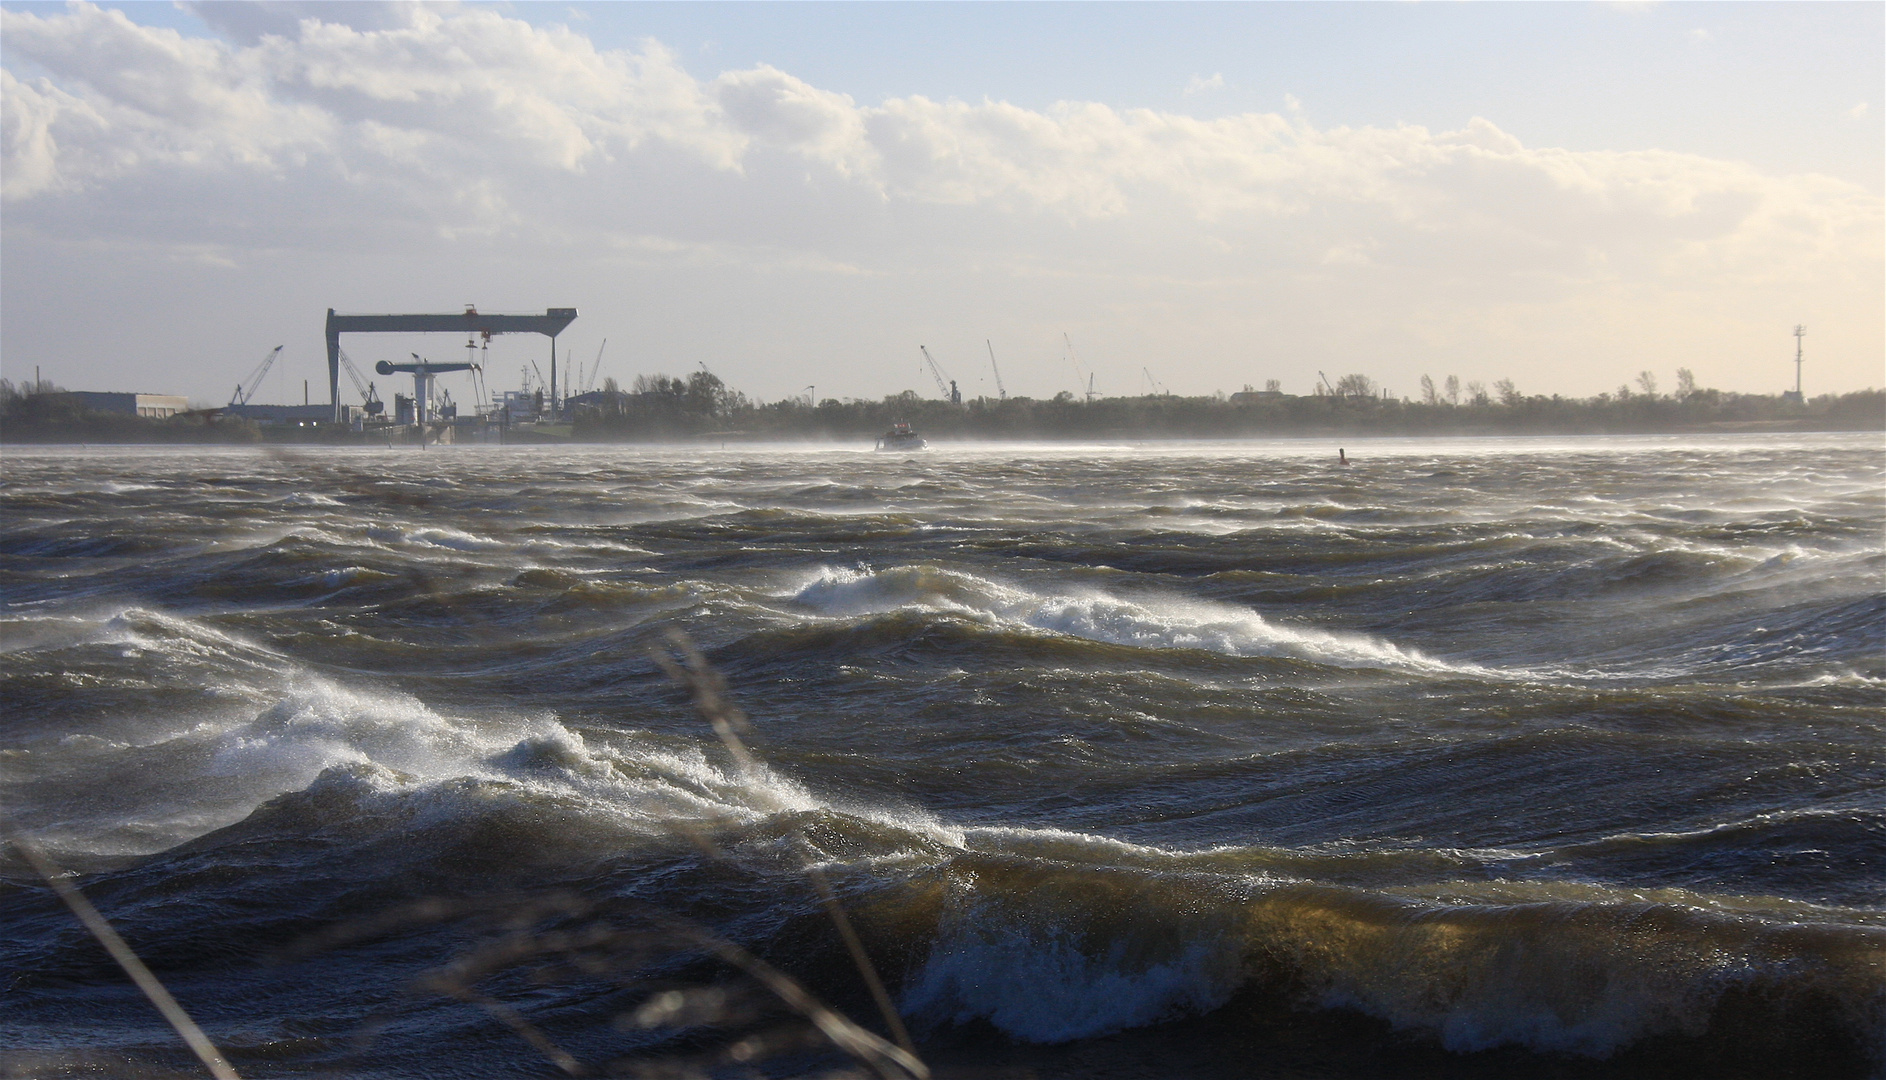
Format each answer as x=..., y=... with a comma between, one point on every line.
x=1199, y=84
x=1858, y=111
x=470, y=117
x=331, y=128
x=770, y=106
x=27, y=113
x=249, y=22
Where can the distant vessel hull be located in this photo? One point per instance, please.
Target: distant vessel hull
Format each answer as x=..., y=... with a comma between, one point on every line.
x=901, y=437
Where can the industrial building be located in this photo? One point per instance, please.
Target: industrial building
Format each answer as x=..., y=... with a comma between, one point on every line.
x=282, y=414
x=154, y=406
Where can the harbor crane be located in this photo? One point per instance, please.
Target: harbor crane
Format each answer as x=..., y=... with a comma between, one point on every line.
x=255, y=378
x=369, y=396
x=1085, y=380
x=1000, y=390
x=595, y=368
x=949, y=393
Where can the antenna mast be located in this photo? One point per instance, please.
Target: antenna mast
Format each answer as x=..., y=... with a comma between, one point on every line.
x=1799, y=333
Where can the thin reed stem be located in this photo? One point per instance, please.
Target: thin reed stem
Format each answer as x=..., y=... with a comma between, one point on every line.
x=861, y=959
x=100, y=929
x=514, y=1020
x=709, y=692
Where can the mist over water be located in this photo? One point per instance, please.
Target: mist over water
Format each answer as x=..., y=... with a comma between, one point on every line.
x=1481, y=757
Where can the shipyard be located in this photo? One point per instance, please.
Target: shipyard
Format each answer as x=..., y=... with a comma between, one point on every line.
x=559, y=400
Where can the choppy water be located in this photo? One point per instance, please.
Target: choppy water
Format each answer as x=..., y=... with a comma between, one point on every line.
x=1478, y=758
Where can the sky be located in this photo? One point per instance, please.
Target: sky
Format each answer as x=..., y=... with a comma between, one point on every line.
x=796, y=196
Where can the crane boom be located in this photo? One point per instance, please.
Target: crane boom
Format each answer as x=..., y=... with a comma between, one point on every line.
x=935, y=373
x=255, y=378
x=369, y=396
x=595, y=368
x=1086, y=379
x=347, y=365
x=1001, y=390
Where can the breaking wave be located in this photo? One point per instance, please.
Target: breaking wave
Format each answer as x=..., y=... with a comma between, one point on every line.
x=1147, y=623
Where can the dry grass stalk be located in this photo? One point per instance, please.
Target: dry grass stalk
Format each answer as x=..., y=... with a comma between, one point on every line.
x=729, y=722
x=599, y=949
x=100, y=929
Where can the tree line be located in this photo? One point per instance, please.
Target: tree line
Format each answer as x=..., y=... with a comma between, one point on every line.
x=664, y=408
x=45, y=413
x=660, y=408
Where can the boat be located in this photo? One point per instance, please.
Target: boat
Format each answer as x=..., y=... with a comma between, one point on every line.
x=901, y=437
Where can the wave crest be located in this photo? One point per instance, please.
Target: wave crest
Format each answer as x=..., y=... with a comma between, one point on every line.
x=1149, y=623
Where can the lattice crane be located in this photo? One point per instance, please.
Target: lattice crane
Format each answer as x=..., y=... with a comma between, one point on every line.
x=949, y=393
x=369, y=396
x=255, y=378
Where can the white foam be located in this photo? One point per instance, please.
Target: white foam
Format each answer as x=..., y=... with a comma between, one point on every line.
x=310, y=498
x=340, y=576
x=1848, y=677
x=319, y=724
x=309, y=534
x=1150, y=623
x=270, y=728
x=187, y=641
x=432, y=536
x=219, y=770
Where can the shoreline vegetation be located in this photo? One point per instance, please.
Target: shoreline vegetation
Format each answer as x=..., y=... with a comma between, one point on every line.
x=659, y=408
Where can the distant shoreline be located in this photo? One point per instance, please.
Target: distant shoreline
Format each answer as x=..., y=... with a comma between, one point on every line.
x=677, y=414
x=943, y=442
